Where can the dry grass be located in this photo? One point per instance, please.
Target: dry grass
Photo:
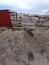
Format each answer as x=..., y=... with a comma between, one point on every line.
x=15, y=45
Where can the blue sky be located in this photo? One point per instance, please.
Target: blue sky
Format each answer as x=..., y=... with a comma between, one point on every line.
x=26, y=6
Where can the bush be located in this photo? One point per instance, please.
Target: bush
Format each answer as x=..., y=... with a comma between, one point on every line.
x=30, y=56
x=29, y=32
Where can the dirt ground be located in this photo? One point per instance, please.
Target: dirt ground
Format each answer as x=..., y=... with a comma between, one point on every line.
x=15, y=47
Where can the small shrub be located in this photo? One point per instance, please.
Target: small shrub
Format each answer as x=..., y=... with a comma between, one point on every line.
x=29, y=32
x=30, y=56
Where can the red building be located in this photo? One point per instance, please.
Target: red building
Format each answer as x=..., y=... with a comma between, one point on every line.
x=5, y=19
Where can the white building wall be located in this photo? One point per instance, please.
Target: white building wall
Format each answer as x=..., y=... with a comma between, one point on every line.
x=25, y=20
